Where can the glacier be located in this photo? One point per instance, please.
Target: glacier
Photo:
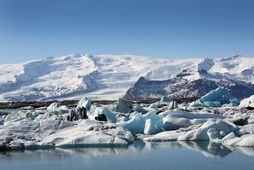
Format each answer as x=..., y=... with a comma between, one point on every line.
x=113, y=76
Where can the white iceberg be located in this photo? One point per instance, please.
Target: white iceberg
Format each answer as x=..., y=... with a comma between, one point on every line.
x=248, y=102
x=56, y=108
x=164, y=136
x=211, y=130
x=244, y=141
x=27, y=134
x=89, y=133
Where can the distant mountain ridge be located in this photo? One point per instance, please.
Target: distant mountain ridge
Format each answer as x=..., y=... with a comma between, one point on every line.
x=110, y=77
x=181, y=88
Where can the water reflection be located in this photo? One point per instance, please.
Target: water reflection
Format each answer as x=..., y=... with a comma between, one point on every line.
x=206, y=148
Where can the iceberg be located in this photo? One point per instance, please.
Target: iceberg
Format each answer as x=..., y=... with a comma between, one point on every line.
x=166, y=99
x=243, y=141
x=173, y=105
x=164, y=136
x=172, y=123
x=90, y=133
x=138, y=108
x=136, y=124
x=216, y=98
x=56, y=108
x=123, y=106
x=248, y=102
x=84, y=102
x=149, y=123
x=157, y=105
x=211, y=130
x=153, y=123
x=111, y=117
x=28, y=134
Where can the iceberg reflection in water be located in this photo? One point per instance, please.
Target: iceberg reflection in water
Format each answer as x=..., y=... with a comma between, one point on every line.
x=140, y=155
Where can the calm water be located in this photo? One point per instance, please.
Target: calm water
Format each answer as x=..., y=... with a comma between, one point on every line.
x=138, y=156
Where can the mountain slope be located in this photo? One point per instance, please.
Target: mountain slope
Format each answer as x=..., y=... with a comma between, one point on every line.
x=110, y=76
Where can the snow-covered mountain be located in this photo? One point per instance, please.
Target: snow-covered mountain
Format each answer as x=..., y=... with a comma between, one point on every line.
x=110, y=76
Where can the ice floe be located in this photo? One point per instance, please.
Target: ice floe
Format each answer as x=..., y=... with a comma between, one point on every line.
x=29, y=133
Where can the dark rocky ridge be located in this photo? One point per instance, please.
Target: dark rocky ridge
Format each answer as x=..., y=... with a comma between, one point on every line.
x=182, y=88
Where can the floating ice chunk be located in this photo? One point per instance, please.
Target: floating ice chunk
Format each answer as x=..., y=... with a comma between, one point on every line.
x=245, y=140
x=219, y=95
x=229, y=137
x=211, y=104
x=29, y=133
x=211, y=130
x=153, y=123
x=84, y=102
x=180, y=119
x=56, y=108
x=164, y=136
x=197, y=121
x=196, y=103
x=216, y=98
x=251, y=119
x=172, y=123
x=131, y=115
x=136, y=124
x=53, y=107
x=138, y=108
x=189, y=115
x=157, y=105
x=111, y=117
x=248, y=102
x=246, y=129
x=121, y=117
x=173, y=105
x=123, y=106
x=20, y=115
x=89, y=132
x=63, y=109
x=165, y=99
x=149, y=123
x=19, y=133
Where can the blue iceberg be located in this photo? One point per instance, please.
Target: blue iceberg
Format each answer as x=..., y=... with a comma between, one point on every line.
x=111, y=117
x=217, y=98
x=84, y=102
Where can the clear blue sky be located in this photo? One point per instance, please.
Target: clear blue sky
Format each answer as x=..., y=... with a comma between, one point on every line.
x=32, y=29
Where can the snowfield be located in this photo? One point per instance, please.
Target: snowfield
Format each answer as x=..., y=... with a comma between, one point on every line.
x=109, y=76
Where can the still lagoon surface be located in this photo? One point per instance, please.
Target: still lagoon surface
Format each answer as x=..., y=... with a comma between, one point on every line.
x=139, y=156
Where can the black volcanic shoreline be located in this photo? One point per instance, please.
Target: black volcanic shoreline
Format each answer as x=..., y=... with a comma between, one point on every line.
x=73, y=103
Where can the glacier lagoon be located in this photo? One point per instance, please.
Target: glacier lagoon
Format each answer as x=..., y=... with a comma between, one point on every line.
x=140, y=155
x=44, y=138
